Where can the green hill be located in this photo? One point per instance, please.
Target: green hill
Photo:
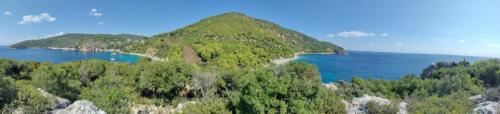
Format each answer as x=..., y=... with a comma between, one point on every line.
x=229, y=40
x=233, y=40
x=105, y=41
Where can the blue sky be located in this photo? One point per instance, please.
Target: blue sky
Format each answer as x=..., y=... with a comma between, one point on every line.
x=461, y=27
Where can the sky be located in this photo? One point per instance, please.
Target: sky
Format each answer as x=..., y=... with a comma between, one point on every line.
x=458, y=27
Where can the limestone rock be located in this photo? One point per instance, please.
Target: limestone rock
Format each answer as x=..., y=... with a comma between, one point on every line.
x=80, y=107
x=60, y=102
x=152, y=109
x=403, y=108
x=357, y=105
x=330, y=86
x=487, y=107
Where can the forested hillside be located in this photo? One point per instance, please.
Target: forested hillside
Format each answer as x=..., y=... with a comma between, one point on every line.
x=233, y=40
x=73, y=40
x=229, y=40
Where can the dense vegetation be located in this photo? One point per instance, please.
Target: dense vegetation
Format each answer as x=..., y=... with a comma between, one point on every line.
x=441, y=88
x=103, y=41
x=222, y=65
x=230, y=40
x=293, y=88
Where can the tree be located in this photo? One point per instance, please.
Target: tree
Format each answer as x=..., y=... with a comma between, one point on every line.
x=8, y=91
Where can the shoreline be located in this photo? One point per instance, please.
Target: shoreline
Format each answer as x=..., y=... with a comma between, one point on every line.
x=110, y=50
x=282, y=61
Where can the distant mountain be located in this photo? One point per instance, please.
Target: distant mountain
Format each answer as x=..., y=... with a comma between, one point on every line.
x=102, y=41
x=232, y=40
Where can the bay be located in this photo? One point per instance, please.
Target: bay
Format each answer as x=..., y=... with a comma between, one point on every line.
x=375, y=65
x=58, y=56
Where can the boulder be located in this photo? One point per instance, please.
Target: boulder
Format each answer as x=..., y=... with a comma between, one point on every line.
x=402, y=108
x=487, y=107
x=60, y=102
x=152, y=109
x=330, y=86
x=80, y=107
x=357, y=105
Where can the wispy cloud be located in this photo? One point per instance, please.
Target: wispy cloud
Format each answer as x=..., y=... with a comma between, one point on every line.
x=7, y=13
x=94, y=12
x=28, y=19
x=461, y=41
x=355, y=34
x=53, y=35
x=384, y=34
x=100, y=23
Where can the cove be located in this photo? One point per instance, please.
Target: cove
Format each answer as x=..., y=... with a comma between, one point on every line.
x=58, y=56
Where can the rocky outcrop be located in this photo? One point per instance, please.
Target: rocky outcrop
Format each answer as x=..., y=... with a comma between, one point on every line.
x=58, y=101
x=483, y=106
x=436, y=66
x=487, y=107
x=80, y=107
x=357, y=105
x=402, y=108
x=330, y=86
x=152, y=109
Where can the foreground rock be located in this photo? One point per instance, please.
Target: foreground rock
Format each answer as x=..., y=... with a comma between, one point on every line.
x=357, y=105
x=402, y=108
x=80, y=107
x=58, y=101
x=152, y=109
x=487, y=107
x=330, y=86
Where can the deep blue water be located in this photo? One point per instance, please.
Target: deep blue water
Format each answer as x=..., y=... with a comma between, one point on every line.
x=58, y=56
x=366, y=65
x=377, y=65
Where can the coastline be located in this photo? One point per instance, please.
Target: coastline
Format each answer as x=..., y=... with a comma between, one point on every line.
x=282, y=61
x=111, y=50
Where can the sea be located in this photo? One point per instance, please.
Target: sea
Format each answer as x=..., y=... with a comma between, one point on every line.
x=375, y=65
x=58, y=56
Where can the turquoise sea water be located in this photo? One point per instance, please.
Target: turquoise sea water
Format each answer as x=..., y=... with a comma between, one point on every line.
x=58, y=56
x=379, y=65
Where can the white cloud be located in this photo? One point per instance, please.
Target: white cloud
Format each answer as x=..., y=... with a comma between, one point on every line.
x=53, y=35
x=7, y=13
x=100, y=23
x=330, y=35
x=93, y=12
x=384, y=34
x=461, y=41
x=355, y=34
x=28, y=19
